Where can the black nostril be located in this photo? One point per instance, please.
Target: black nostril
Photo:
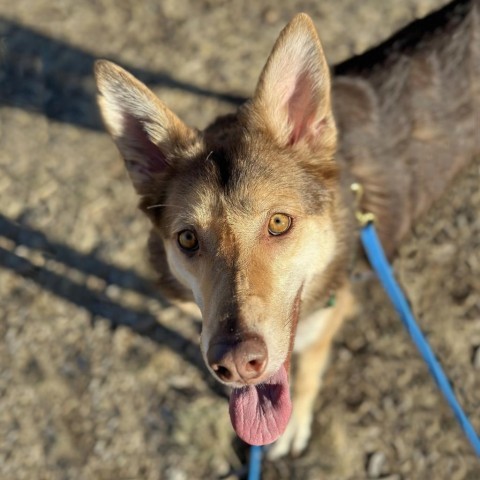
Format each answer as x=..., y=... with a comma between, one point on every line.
x=251, y=358
x=222, y=372
x=220, y=359
x=253, y=365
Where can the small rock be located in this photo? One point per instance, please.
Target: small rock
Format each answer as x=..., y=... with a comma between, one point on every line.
x=271, y=16
x=113, y=292
x=175, y=474
x=95, y=283
x=476, y=357
x=22, y=251
x=375, y=464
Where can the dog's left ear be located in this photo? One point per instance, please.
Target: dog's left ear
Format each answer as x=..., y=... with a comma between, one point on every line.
x=149, y=136
x=292, y=98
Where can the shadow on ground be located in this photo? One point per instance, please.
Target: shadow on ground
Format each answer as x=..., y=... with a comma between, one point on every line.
x=95, y=302
x=47, y=76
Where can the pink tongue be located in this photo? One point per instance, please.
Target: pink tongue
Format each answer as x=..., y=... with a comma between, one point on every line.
x=260, y=413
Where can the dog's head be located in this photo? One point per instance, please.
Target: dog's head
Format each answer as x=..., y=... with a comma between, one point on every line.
x=243, y=212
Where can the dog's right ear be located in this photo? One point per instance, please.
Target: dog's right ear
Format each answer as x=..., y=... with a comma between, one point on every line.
x=292, y=98
x=148, y=135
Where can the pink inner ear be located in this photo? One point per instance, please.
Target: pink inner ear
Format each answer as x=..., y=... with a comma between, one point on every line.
x=302, y=108
x=147, y=157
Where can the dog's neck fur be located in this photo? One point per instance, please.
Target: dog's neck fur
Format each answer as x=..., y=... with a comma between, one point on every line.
x=406, y=118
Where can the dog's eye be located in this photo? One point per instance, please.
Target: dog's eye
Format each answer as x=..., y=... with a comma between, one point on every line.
x=188, y=240
x=279, y=223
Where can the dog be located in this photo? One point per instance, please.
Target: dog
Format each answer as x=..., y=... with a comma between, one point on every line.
x=252, y=218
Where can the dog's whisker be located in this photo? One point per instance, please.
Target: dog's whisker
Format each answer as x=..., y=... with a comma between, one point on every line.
x=287, y=323
x=158, y=205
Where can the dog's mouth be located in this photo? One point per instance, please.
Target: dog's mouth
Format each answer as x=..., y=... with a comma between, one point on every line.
x=260, y=413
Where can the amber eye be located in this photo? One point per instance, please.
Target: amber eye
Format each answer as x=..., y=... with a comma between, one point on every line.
x=279, y=223
x=188, y=240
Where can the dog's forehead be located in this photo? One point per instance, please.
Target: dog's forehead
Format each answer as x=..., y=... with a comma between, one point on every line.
x=241, y=174
x=240, y=180
x=204, y=203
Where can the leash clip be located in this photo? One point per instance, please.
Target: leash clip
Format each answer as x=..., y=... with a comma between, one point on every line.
x=364, y=218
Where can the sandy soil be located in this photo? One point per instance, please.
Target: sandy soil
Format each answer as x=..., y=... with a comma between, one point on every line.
x=99, y=377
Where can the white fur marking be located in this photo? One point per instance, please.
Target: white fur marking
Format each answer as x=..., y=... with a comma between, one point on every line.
x=311, y=328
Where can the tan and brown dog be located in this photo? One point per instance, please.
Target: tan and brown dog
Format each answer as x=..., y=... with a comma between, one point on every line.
x=252, y=218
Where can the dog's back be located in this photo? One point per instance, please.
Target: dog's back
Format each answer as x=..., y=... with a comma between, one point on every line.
x=408, y=113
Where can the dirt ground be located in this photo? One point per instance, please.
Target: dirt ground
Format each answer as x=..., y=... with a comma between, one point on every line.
x=99, y=377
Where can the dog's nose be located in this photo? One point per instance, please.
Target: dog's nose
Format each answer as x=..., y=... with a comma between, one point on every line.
x=242, y=362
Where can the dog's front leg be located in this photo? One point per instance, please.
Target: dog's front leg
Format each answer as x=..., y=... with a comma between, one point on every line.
x=311, y=362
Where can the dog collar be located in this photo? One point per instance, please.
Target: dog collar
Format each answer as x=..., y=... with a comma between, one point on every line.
x=330, y=301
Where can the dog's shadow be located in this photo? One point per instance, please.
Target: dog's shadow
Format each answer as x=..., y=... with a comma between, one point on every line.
x=95, y=301
x=52, y=78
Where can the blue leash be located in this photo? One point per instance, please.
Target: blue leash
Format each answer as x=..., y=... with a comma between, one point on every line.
x=379, y=262
x=254, y=465
x=376, y=255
